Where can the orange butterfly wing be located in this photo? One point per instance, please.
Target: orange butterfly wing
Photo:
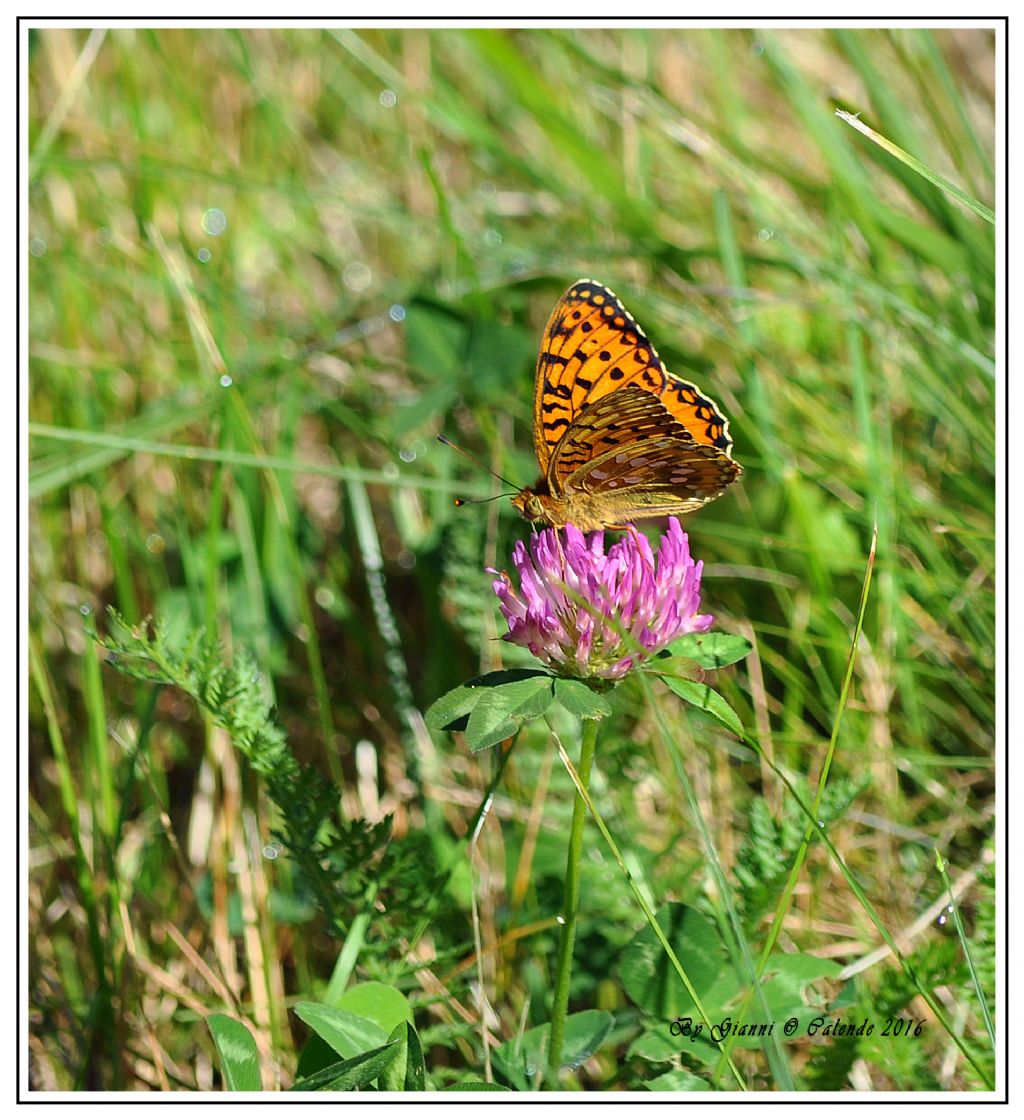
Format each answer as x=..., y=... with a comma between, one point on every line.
x=628, y=444
x=592, y=346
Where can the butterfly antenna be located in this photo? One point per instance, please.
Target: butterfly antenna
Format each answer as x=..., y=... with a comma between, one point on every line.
x=473, y=459
x=482, y=501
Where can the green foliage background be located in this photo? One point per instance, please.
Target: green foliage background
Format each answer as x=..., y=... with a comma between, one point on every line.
x=233, y=428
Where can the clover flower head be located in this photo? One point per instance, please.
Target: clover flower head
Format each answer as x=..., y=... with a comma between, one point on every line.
x=590, y=614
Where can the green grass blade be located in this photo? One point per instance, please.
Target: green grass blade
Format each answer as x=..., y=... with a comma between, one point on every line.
x=923, y=170
x=986, y=1015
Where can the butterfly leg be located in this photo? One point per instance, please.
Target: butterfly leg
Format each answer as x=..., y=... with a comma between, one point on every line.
x=558, y=541
x=633, y=531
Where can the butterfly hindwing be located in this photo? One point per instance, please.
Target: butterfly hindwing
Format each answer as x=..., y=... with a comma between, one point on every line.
x=593, y=347
x=662, y=476
x=627, y=442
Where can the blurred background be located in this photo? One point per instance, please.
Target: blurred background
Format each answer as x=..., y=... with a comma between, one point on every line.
x=267, y=268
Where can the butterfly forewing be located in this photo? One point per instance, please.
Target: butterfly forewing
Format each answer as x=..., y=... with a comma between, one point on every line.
x=592, y=347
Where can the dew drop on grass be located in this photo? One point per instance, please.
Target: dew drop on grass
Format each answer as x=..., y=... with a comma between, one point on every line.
x=396, y=312
x=204, y=255
x=356, y=276
x=85, y=609
x=225, y=381
x=388, y=98
x=37, y=246
x=407, y=455
x=215, y=221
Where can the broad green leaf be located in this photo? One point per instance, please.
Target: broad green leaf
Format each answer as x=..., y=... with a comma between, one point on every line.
x=490, y=722
x=656, y=1044
x=392, y=1078
x=406, y=1071
x=703, y=697
x=347, y=1033
x=452, y=706
x=784, y=988
x=528, y=698
x=678, y=1081
x=654, y=986
x=520, y=1060
x=475, y=1087
x=380, y=1003
x=584, y=1033
x=416, y=1065
x=315, y=1056
x=521, y=695
x=647, y=973
x=786, y=980
x=580, y=700
x=239, y=1058
x=504, y=705
x=354, y=1073
x=713, y=650
x=526, y=693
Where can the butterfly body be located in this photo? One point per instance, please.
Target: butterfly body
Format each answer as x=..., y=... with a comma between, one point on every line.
x=617, y=436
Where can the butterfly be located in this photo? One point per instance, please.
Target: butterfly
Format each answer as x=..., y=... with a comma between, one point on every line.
x=617, y=436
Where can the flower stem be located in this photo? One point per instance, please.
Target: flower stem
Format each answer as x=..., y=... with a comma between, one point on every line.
x=570, y=904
